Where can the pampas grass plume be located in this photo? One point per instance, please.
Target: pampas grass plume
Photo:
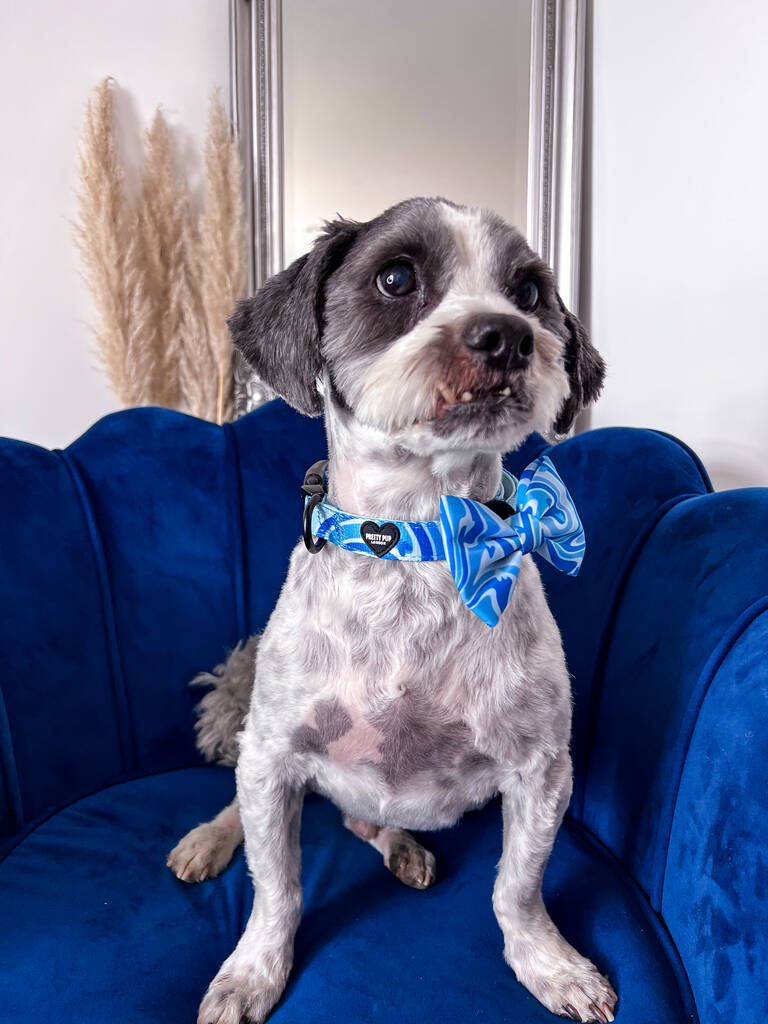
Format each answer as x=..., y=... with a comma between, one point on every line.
x=222, y=246
x=102, y=235
x=162, y=285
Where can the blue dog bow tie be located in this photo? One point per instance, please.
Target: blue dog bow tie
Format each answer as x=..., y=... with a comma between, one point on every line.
x=483, y=550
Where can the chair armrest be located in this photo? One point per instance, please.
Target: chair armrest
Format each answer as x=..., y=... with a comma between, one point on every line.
x=128, y=563
x=676, y=782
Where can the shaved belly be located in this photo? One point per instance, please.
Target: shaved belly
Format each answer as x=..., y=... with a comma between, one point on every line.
x=404, y=763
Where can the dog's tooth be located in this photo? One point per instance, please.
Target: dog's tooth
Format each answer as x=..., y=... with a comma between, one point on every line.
x=466, y=396
x=446, y=392
x=506, y=392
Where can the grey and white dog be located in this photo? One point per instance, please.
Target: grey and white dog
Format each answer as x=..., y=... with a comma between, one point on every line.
x=433, y=339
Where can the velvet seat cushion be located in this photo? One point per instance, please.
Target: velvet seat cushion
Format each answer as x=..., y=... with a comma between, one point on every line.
x=96, y=928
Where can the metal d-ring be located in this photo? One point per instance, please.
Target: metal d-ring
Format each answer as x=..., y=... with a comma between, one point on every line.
x=312, y=545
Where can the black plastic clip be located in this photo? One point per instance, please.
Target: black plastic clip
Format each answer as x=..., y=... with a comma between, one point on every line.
x=502, y=508
x=313, y=490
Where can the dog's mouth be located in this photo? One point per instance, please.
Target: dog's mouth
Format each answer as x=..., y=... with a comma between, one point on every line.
x=479, y=404
x=450, y=398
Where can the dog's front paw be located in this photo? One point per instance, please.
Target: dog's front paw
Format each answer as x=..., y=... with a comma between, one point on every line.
x=236, y=997
x=585, y=996
x=202, y=853
x=567, y=984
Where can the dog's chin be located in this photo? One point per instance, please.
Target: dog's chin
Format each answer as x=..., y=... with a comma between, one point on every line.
x=463, y=408
x=485, y=423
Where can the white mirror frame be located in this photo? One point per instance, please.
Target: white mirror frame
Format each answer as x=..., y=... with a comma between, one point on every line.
x=555, y=143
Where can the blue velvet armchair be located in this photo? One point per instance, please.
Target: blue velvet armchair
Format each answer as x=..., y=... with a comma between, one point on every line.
x=141, y=553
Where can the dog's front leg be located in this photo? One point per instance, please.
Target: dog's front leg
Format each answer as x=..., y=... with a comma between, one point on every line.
x=560, y=978
x=252, y=978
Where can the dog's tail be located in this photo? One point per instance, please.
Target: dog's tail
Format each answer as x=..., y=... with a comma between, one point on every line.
x=221, y=712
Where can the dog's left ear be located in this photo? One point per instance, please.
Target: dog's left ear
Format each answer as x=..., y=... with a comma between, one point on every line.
x=585, y=368
x=278, y=329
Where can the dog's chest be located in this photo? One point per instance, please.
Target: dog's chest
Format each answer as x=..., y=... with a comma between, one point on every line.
x=396, y=698
x=400, y=737
x=386, y=662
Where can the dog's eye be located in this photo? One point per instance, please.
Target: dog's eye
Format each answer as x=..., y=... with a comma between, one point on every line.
x=527, y=296
x=397, y=279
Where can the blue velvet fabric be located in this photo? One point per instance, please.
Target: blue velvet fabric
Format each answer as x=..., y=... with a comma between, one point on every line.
x=715, y=887
x=153, y=543
x=95, y=928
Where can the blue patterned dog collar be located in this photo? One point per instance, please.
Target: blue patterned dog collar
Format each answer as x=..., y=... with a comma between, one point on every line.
x=483, y=543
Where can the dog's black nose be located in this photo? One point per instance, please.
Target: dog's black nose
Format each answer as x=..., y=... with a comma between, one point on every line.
x=506, y=340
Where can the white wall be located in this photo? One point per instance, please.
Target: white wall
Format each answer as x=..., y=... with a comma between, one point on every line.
x=680, y=222
x=162, y=52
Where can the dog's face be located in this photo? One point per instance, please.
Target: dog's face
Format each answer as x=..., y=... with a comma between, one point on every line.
x=434, y=324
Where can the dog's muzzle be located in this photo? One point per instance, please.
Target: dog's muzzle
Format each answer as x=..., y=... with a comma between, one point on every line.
x=504, y=341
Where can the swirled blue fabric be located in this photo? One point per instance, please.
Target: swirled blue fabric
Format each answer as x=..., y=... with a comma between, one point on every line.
x=483, y=550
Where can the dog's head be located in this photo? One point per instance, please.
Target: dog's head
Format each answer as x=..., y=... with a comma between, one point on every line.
x=433, y=323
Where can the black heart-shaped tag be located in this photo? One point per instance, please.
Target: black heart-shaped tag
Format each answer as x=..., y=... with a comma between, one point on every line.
x=379, y=538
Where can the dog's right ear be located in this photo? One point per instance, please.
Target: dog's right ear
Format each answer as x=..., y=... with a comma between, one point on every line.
x=585, y=368
x=278, y=329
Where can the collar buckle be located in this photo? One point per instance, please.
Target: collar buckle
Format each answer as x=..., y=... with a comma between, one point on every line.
x=313, y=490
x=314, y=479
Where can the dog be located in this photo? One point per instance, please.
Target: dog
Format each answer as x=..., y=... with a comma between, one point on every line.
x=433, y=340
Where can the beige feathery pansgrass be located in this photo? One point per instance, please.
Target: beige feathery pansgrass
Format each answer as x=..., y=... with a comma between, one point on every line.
x=162, y=283
x=222, y=246
x=102, y=235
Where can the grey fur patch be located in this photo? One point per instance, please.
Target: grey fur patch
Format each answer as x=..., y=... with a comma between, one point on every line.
x=416, y=739
x=476, y=760
x=306, y=740
x=221, y=712
x=332, y=722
